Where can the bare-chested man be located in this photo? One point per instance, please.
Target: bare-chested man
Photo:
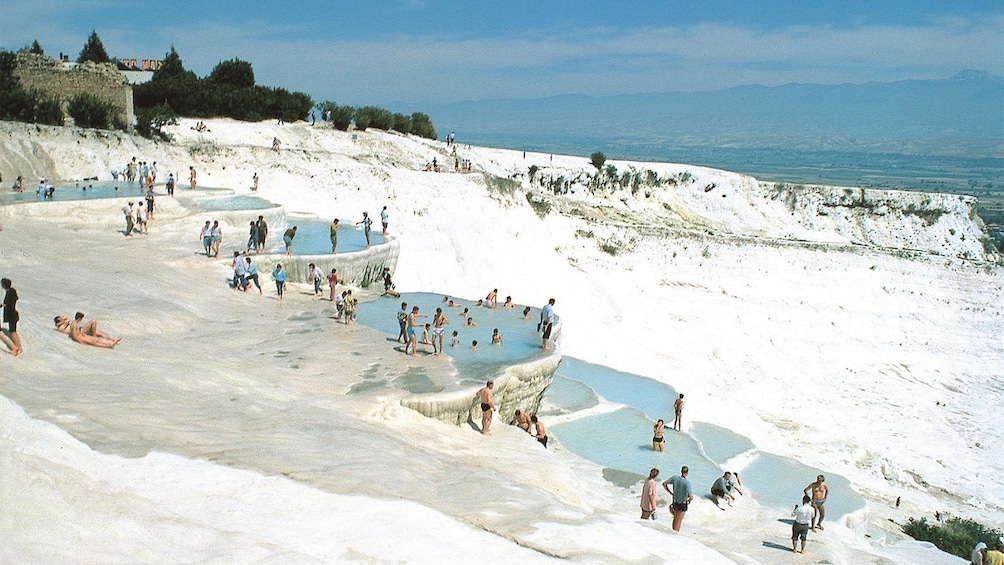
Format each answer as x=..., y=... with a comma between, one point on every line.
x=438, y=321
x=412, y=335
x=540, y=432
x=89, y=334
x=487, y=406
x=522, y=420
x=819, y=493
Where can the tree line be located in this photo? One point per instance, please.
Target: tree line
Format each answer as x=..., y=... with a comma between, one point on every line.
x=228, y=91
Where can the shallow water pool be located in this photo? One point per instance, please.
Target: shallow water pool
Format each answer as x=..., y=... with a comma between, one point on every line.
x=230, y=203
x=520, y=336
x=85, y=190
x=621, y=440
x=313, y=237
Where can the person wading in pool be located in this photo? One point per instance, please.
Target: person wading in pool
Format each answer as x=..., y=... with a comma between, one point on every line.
x=412, y=335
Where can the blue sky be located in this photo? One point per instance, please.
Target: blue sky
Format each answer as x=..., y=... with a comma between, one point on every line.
x=441, y=51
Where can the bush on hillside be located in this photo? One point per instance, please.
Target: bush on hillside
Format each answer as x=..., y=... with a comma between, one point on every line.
x=421, y=125
x=150, y=121
x=89, y=111
x=372, y=116
x=341, y=116
x=597, y=160
x=956, y=535
x=234, y=72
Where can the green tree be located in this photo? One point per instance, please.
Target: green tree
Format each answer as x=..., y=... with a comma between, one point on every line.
x=421, y=125
x=150, y=121
x=233, y=72
x=173, y=68
x=374, y=117
x=598, y=159
x=93, y=51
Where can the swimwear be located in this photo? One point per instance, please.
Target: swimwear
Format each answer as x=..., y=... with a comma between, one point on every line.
x=411, y=332
x=485, y=407
x=818, y=503
x=543, y=441
x=438, y=332
x=680, y=506
x=547, y=331
x=658, y=439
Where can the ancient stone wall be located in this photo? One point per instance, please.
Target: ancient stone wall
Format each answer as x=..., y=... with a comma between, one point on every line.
x=64, y=81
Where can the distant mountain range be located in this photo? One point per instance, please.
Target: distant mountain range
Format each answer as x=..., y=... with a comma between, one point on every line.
x=962, y=115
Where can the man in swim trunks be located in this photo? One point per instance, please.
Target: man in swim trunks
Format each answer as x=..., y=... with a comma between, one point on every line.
x=682, y=495
x=540, y=432
x=819, y=494
x=487, y=405
x=412, y=335
x=287, y=238
x=438, y=321
x=521, y=420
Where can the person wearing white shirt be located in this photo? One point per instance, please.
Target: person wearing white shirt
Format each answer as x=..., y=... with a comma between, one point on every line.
x=804, y=516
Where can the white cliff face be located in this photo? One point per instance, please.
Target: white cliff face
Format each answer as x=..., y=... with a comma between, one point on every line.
x=849, y=329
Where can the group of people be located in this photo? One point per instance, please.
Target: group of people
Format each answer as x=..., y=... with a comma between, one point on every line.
x=138, y=214
x=135, y=170
x=79, y=331
x=658, y=436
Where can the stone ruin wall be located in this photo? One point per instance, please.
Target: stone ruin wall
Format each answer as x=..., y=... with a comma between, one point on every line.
x=50, y=76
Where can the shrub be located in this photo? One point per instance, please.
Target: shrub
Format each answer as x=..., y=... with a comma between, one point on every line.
x=234, y=73
x=956, y=536
x=341, y=116
x=540, y=207
x=533, y=171
x=372, y=116
x=88, y=111
x=598, y=159
x=150, y=121
x=402, y=123
x=421, y=125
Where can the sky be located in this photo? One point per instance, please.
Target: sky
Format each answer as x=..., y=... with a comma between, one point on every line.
x=372, y=52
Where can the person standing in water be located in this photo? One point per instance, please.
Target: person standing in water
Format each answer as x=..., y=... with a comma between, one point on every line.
x=412, y=333
x=658, y=440
x=287, y=238
x=438, y=321
x=334, y=235
x=487, y=406
x=367, y=226
x=678, y=411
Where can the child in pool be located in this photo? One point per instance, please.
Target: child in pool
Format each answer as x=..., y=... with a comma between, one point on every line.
x=497, y=337
x=456, y=339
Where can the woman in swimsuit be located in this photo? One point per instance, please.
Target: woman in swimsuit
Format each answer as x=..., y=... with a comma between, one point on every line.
x=658, y=441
